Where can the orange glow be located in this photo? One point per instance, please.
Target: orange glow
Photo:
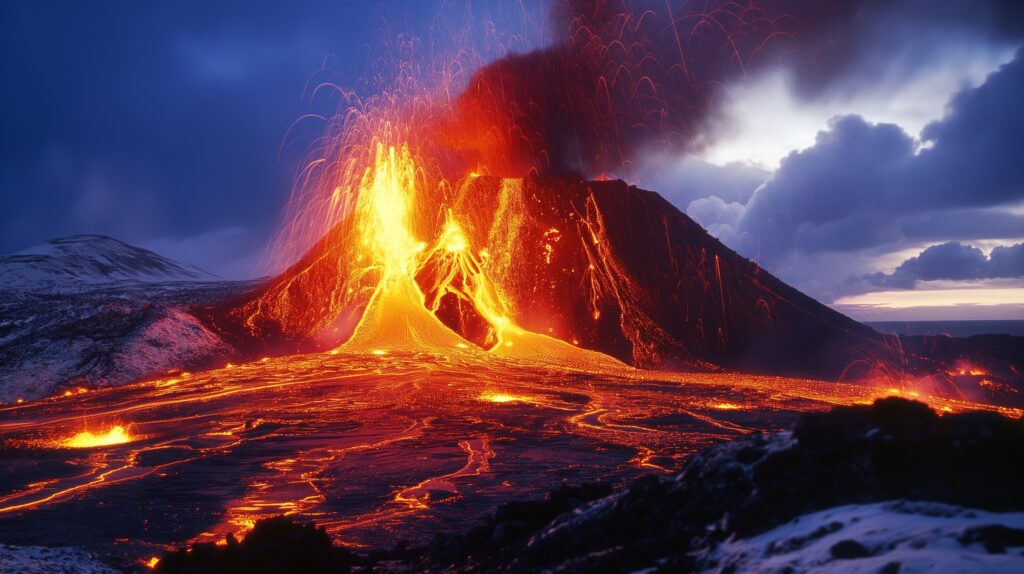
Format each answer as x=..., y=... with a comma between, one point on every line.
x=498, y=398
x=406, y=284
x=87, y=439
x=433, y=289
x=400, y=247
x=492, y=397
x=631, y=408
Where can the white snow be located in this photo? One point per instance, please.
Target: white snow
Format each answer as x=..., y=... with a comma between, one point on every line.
x=152, y=343
x=92, y=311
x=918, y=536
x=45, y=560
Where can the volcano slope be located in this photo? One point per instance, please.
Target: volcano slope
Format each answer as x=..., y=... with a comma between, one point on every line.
x=603, y=265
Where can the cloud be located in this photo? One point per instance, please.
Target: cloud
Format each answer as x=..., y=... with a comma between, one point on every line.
x=951, y=260
x=717, y=216
x=895, y=41
x=864, y=185
x=684, y=180
x=832, y=213
x=169, y=118
x=625, y=78
x=822, y=197
x=1007, y=261
x=972, y=156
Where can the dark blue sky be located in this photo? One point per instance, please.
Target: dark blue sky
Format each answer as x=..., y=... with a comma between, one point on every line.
x=162, y=121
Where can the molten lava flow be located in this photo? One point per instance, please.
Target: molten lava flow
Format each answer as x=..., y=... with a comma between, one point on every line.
x=436, y=295
x=86, y=439
x=395, y=315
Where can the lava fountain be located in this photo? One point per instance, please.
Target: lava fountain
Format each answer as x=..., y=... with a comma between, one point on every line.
x=429, y=293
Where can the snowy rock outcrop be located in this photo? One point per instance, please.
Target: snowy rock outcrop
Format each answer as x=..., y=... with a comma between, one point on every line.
x=889, y=538
x=90, y=311
x=45, y=560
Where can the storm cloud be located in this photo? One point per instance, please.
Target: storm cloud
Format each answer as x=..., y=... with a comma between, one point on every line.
x=954, y=261
x=865, y=185
x=896, y=39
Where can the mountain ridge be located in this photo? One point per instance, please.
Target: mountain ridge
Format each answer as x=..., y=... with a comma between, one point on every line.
x=84, y=261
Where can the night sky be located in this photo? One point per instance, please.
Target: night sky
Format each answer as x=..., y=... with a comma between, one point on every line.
x=894, y=167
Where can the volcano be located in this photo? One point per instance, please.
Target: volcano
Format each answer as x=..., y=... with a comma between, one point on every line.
x=599, y=265
x=441, y=350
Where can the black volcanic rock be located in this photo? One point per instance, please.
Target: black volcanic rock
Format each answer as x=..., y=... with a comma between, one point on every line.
x=619, y=270
x=658, y=290
x=997, y=362
x=895, y=449
x=274, y=546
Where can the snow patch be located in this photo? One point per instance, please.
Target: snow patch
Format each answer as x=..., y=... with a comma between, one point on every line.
x=46, y=560
x=901, y=537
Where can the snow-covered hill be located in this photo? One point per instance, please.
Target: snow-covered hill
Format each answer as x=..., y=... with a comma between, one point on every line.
x=85, y=261
x=92, y=311
x=53, y=342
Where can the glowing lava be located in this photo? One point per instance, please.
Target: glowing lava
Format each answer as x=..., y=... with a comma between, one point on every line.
x=416, y=283
x=370, y=446
x=499, y=398
x=87, y=439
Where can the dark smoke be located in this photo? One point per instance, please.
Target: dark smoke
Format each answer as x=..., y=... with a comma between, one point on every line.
x=629, y=76
x=905, y=35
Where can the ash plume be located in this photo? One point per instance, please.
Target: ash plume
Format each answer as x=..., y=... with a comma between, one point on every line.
x=626, y=76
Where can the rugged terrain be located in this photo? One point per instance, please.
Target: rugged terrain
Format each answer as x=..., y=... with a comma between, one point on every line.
x=602, y=265
x=607, y=266
x=892, y=487
x=90, y=311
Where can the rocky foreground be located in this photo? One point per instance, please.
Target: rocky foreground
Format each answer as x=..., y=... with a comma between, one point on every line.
x=892, y=487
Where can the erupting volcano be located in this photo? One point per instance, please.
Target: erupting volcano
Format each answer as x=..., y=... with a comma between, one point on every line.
x=544, y=268
x=475, y=305
x=413, y=248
